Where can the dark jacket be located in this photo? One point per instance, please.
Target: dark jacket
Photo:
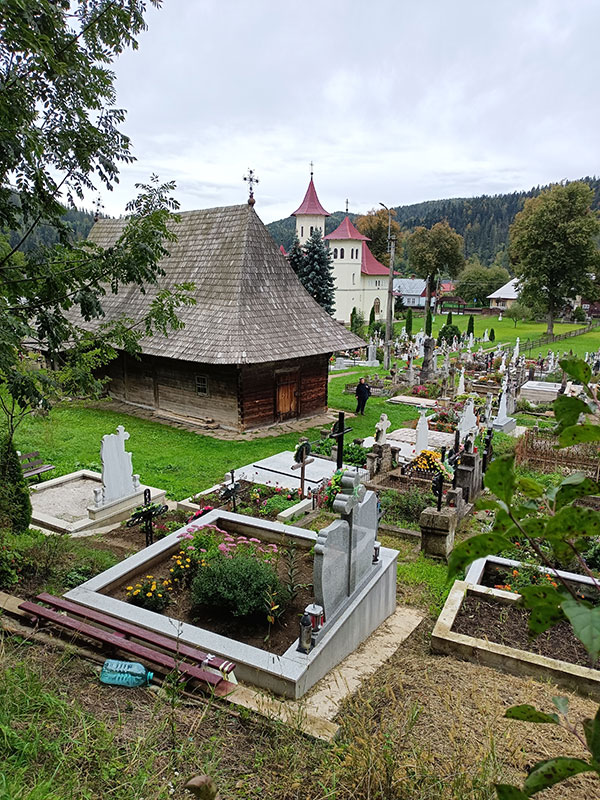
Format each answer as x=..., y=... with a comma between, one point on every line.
x=363, y=390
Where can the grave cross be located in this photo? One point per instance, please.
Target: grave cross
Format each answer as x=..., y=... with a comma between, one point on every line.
x=301, y=457
x=437, y=487
x=337, y=432
x=146, y=514
x=453, y=461
x=230, y=491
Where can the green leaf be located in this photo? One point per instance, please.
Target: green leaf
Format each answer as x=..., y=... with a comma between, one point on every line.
x=576, y=434
x=577, y=369
x=466, y=552
x=548, y=773
x=502, y=522
x=573, y=521
x=592, y=735
x=485, y=504
x=530, y=488
x=573, y=486
x=544, y=602
x=586, y=624
x=528, y=713
x=562, y=703
x=507, y=792
x=500, y=478
x=568, y=409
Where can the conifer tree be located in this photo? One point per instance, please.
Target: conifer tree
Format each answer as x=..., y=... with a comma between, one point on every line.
x=372, y=317
x=317, y=273
x=428, y=322
x=449, y=318
x=15, y=505
x=409, y=322
x=492, y=335
x=296, y=257
x=471, y=325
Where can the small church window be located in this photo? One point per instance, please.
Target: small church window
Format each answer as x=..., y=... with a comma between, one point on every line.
x=335, y=252
x=311, y=230
x=353, y=278
x=341, y=252
x=202, y=385
x=301, y=230
x=377, y=305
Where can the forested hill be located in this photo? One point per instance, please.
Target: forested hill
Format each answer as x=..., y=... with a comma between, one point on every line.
x=80, y=223
x=482, y=221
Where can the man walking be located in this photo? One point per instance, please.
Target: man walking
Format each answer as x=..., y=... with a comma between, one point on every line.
x=363, y=392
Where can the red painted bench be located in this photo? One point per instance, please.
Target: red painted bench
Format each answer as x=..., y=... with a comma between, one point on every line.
x=149, y=637
x=119, y=641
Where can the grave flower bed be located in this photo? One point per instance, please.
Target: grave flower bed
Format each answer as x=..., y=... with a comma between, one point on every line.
x=229, y=583
x=429, y=462
x=254, y=499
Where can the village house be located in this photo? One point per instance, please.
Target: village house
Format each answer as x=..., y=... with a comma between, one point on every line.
x=255, y=348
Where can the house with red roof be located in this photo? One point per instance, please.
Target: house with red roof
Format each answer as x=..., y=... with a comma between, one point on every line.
x=361, y=281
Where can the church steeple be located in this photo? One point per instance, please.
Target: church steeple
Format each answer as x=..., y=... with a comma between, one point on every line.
x=310, y=214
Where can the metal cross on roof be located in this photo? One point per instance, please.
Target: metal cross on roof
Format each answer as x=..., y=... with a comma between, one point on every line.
x=251, y=179
x=346, y=205
x=311, y=169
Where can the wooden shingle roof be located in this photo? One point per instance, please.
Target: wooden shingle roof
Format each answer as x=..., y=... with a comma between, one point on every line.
x=250, y=306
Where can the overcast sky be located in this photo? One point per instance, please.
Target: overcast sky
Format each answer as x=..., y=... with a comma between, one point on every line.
x=394, y=101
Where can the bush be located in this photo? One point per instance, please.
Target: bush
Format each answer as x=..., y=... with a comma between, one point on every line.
x=323, y=447
x=592, y=555
x=447, y=333
x=471, y=325
x=10, y=565
x=237, y=585
x=579, y=315
x=15, y=505
x=409, y=322
x=449, y=318
x=492, y=335
x=355, y=455
x=278, y=502
x=405, y=506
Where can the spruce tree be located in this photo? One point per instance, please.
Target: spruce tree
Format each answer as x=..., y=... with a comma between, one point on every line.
x=296, y=257
x=372, y=317
x=15, y=505
x=317, y=274
x=449, y=318
x=492, y=335
x=428, y=322
x=471, y=325
x=409, y=322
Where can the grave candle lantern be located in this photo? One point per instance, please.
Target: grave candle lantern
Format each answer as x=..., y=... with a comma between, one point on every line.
x=376, y=551
x=315, y=613
x=305, y=644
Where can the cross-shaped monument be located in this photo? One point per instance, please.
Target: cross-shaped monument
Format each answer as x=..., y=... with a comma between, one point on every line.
x=302, y=460
x=338, y=432
x=146, y=513
x=230, y=491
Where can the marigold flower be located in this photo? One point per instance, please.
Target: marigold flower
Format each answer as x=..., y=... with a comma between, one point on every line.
x=148, y=594
x=129, y=588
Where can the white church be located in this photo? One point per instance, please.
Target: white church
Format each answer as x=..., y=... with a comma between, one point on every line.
x=360, y=280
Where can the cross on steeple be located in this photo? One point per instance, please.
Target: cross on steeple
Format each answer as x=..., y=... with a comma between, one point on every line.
x=311, y=170
x=346, y=205
x=251, y=179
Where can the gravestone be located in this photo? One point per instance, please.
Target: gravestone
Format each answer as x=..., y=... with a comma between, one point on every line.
x=381, y=429
x=427, y=368
x=515, y=354
x=503, y=422
x=486, y=336
x=468, y=420
x=118, y=480
x=344, y=550
x=461, y=382
x=422, y=432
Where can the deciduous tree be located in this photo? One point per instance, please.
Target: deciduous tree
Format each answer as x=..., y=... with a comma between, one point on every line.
x=374, y=224
x=439, y=250
x=476, y=282
x=553, y=248
x=518, y=312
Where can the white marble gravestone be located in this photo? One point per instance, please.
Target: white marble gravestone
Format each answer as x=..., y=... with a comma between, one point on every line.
x=502, y=421
x=381, y=429
x=118, y=480
x=515, y=354
x=344, y=550
x=468, y=419
x=461, y=382
x=422, y=432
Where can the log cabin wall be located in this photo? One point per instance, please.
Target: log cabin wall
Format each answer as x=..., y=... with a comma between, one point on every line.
x=266, y=390
x=199, y=391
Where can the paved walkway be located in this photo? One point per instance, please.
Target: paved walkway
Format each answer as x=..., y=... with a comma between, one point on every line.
x=324, y=420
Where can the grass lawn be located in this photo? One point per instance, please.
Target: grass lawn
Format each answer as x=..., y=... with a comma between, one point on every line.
x=178, y=461
x=507, y=332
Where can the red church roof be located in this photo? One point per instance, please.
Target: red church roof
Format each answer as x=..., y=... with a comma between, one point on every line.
x=346, y=230
x=310, y=204
x=369, y=264
x=282, y=249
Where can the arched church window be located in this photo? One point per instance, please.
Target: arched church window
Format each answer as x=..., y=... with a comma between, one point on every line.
x=341, y=252
x=335, y=252
x=377, y=305
x=311, y=230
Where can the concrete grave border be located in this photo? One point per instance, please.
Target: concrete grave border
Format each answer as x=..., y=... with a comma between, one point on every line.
x=507, y=659
x=290, y=674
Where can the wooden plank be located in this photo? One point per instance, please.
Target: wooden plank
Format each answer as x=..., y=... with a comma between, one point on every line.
x=129, y=629
x=141, y=651
x=24, y=456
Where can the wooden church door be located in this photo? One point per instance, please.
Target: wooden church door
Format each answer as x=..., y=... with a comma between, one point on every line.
x=287, y=395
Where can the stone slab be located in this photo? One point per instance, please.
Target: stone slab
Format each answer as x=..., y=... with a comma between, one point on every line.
x=277, y=469
x=303, y=507
x=436, y=439
x=409, y=400
x=540, y=391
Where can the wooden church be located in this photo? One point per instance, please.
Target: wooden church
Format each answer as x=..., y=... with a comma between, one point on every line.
x=255, y=348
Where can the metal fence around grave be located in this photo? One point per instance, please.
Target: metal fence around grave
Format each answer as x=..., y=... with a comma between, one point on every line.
x=537, y=449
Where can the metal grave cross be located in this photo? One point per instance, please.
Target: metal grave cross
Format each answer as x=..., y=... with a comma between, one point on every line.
x=230, y=492
x=146, y=514
x=301, y=457
x=337, y=432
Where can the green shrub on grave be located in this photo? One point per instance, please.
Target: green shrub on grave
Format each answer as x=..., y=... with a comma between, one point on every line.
x=447, y=334
x=399, y=507
x=15, y=505
x=235, y=584
x=10, y=563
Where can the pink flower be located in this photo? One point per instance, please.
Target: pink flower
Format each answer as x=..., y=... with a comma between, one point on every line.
x=223, y=548
x=255, y=540
x=242, y=538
